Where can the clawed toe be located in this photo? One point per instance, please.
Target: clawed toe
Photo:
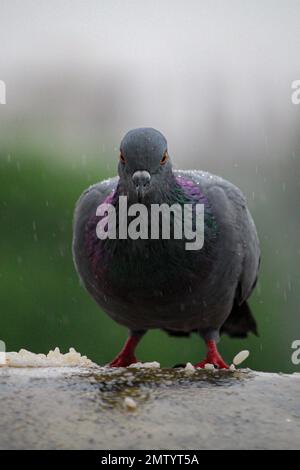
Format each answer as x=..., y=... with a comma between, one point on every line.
x=123, y=361
x=219, y=364
x=213, y=357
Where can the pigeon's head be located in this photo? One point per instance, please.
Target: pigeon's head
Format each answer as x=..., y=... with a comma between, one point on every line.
x=144, y=166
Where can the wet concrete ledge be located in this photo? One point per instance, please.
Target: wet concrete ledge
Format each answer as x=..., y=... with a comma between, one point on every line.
x=78, y=408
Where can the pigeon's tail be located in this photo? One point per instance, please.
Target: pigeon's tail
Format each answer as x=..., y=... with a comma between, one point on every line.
x=240, y=322
x=238, y=325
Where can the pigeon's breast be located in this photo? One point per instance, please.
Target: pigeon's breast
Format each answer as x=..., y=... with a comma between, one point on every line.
x=145, y=270
x=150, y=276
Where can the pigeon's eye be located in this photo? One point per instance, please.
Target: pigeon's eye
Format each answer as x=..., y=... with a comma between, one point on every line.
x=164, y=158
x=122, y=158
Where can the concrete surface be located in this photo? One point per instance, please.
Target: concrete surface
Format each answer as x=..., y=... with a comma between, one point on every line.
x=69, y=408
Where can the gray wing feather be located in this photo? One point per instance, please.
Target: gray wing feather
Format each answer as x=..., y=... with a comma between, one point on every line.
x=86, y=206
x=238, y=229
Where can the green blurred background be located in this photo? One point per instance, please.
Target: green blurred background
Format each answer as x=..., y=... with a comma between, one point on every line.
x=216, y=80
x=43, y=305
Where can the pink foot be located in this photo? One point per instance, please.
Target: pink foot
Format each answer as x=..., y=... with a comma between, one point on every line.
x=126, y=356
x=123, y=361
x=213, y=357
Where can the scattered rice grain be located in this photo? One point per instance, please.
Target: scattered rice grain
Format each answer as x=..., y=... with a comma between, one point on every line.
x=189, y=368
x=129, y=403
x=209, y=367
x=240, y=357
x=146, y=365
x=55, y=358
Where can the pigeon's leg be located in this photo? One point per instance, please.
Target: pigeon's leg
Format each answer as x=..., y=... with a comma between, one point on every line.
x=213, y=356
x=127, y=356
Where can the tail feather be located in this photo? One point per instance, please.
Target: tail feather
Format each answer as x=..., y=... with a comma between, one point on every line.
x=238, y=325
x=240, y=322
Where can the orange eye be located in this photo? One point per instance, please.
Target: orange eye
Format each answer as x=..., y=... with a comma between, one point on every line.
x=164, y=158
x=122, y=158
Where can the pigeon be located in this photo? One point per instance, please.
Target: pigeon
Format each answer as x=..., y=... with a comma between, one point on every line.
x=146, y=282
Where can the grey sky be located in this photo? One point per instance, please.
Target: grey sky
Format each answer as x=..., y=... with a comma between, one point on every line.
x=178, y=65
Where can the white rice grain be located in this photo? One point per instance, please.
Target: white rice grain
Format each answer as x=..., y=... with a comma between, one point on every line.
x=240, y=357
x=189, y=369
x=55, y=358
x=209, y=367
x=146, y=365
x=129, y=403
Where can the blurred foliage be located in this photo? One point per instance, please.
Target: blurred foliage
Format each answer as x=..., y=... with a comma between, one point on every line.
x=43, y=305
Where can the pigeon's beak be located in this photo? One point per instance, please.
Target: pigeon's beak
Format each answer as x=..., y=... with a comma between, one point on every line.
x=141, y=180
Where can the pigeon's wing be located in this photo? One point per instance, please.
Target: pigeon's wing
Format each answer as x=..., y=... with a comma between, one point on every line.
x=252, y=256
x=246, y=238
x=230, y=208
x=85, y=208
